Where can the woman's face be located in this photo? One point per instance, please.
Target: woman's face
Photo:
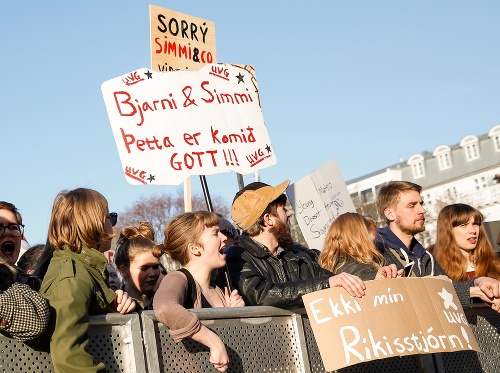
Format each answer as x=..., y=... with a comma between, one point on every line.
x=466, y=235
x=213, y=242
x=113, y=279
x=10, y=242
x=144, y=272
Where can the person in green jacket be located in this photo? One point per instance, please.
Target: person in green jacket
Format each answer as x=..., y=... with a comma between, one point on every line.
x=80, y=230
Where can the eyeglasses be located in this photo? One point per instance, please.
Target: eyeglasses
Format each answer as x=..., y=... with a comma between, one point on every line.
x=113, y=218
x=15, y=230
x=230, y=233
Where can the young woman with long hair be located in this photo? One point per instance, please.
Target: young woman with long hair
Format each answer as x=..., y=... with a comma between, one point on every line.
x=462, y=248
x=350, y=247
x=80, y=231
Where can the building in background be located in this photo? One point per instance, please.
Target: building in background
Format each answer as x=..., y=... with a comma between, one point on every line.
x=468, y=172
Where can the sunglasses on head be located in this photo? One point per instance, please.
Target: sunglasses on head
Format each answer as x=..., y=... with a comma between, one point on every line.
x=113, y=218
x=229, y=232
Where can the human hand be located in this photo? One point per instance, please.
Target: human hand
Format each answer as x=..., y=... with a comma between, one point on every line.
x=124, y=304
x=233, y=299
x=218, y=356
x=353, y=284
x=389, y=271
x=489, y=286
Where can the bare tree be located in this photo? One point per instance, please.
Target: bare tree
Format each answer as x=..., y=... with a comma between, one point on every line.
x=159, y=209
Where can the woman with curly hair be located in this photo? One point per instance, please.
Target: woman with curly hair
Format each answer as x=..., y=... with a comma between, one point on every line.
x=350, y=247
x=138, y=266
x=462, y=248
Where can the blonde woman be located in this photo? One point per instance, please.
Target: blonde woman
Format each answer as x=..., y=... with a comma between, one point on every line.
x=350, y=247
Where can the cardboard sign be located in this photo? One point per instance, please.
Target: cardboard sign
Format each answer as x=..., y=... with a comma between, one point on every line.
x=317, y=200
x=168, y=126
x=180, y=41
x=396, y=317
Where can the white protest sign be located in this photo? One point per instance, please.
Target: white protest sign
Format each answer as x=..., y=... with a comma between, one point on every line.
x=317, y=200
x=396, y=317
x=168, y=126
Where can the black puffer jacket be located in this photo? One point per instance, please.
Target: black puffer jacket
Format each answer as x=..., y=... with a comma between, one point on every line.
x=280, y=281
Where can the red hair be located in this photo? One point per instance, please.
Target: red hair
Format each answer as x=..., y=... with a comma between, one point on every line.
x=448, y=253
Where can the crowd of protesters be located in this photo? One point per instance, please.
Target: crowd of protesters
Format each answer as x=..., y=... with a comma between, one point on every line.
x=53, y=289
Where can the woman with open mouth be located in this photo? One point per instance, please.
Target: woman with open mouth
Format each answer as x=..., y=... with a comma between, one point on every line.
x=194, y=240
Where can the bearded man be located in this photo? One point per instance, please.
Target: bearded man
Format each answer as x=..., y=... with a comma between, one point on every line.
x=268, y=268
x=400, y=203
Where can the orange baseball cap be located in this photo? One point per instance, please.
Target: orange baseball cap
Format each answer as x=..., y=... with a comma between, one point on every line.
x=251, y=201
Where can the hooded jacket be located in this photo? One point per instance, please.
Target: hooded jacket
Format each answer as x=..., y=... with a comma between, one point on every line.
x=396, y=252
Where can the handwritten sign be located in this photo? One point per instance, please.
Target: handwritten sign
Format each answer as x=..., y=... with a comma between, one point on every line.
x=168, y=126
x=396, y=317
x=180, y=41
x=317, y=200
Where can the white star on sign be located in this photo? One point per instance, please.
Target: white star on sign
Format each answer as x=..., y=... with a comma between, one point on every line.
x=448, y=299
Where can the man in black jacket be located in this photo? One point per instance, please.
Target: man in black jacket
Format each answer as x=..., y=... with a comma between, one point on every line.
x=400, y=203
x=266, y=265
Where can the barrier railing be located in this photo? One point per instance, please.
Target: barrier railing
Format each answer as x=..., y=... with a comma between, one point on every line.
x=258, y=339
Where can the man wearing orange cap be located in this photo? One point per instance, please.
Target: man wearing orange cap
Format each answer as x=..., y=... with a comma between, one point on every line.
x=268, y=268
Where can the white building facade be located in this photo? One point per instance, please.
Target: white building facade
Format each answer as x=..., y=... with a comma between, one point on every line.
x=468, y=172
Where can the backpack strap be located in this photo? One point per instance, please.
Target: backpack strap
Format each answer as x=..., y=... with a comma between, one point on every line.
x=190, y=298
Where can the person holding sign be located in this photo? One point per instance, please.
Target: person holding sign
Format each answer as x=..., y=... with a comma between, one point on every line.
x=462, y=248
x=350, y=247
x=266, y=265
x=194, y=240
x=400, y=203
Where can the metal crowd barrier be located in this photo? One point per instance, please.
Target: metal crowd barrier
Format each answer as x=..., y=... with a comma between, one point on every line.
x=258, y=339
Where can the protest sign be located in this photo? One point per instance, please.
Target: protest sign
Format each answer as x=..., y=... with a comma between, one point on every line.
x=396, y=317
x=317, y=200
x=168, y=126
x=180, y=41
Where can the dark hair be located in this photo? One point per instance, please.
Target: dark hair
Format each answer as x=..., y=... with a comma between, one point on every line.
x=133, y=240
x=12, y=208
x=28, y=261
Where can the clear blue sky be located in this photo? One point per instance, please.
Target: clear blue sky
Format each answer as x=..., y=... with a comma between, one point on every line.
x=364, y=82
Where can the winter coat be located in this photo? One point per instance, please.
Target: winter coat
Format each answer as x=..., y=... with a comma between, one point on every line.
x=75, y=288
x=263, y=279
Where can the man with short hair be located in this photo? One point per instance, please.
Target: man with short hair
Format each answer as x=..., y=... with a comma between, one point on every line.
x=401, y=204
x=268, y=268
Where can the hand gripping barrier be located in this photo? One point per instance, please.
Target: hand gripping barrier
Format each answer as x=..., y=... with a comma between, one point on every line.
x=258, y=339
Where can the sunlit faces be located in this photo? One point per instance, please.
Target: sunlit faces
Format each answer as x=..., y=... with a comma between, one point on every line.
x=212, y=243
x=408, y=214
x=113, y=279
x=9, y=244
x=283, y=214
x=143, y=272
x=466, y=235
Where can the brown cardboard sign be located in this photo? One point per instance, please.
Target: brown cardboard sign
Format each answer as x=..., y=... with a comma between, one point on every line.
x=396, y=317
x=180, y=41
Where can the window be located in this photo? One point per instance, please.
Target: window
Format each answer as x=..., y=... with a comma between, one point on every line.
x=416, y=162
x=494, y=135
x=471, y=148
x=442, y=153
x=480, y=183
x=367, y=196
